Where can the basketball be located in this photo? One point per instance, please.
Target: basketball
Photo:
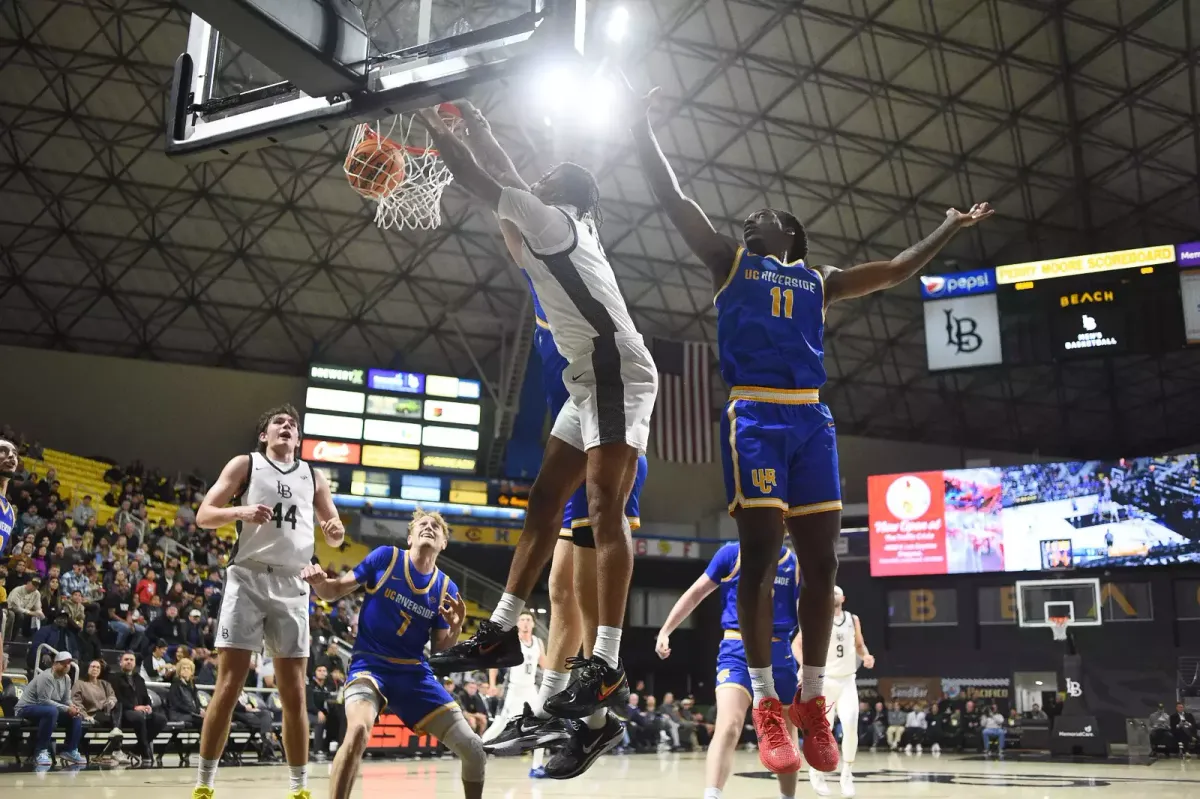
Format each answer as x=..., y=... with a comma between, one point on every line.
x=375, y=167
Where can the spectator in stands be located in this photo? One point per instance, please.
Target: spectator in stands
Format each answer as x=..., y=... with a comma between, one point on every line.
x=640, y=733
x=896, y=719
x=183, y=700
x=206, y=669
x=76, y=579
x=8, y=690
x=95, y=696
x=993, y=728
x=83, y=512
x=59, y=557
x=325, y=716
x=90, y=647
x=44, y=700
x=1183, y=727
x=195, y=630
x=52, y=596
x=137, y=708
x=58, y=636
x=474, y=707
x=156, y=667
x=31, y=520
x=168, y=627
x=915, y=724
x=25, y=601
x=41, y=561
x=118, y=605
x=259, y=720
x=682, y=730
x=147, y=587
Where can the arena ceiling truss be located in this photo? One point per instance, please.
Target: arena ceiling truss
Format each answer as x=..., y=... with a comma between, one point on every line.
x=1077, y=120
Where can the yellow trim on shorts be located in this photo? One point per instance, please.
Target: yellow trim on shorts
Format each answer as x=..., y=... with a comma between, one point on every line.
x=737, y=685
x=433, y=714
x=818, y=507
x=634, y=523
x=738, y=499
x=387, y=573
x=733, y=268
x=408, y=577
x=736, y=635
x=542, y=323
x=780, y=396
x=565, y=533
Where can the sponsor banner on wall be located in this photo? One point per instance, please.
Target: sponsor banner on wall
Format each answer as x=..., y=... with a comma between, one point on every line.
x=962, y=332
x=1188, y=254
x=910, y=689
x=959, y=284
x=907, y=524
x=977, y=689
x=315, y=449
x=1085, y=264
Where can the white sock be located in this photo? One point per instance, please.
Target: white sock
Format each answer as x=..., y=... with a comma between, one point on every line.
x=297, y=777
x=812, y=682
x=206, y=774
x=507, y=610
x=538, y=754
x=608, y=645
x=712, y=793
x=552, y=683
x=597, y=720
x=763, y=682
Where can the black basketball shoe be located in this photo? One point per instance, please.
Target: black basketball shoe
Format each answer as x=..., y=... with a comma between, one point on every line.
x=583, y=748
x=525, y=732
x=489, y=648
x=593, y=685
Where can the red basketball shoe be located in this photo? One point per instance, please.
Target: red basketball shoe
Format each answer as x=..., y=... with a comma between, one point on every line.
x=775, y=748
x=820, y=747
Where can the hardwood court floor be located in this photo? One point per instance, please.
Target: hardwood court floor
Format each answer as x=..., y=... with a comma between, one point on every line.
x=663, y=776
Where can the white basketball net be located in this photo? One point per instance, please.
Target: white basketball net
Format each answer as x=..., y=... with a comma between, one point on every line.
x=409, y=197
x=1059, y=628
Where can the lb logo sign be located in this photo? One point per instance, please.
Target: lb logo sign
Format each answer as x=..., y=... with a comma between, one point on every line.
x=908, y=526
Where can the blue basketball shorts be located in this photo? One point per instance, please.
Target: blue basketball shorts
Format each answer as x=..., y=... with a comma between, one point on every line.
x=411, y=691
x=780, y=454
x=732, y=669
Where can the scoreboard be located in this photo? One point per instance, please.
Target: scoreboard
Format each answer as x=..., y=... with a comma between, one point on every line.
x=1087, y=306
x=393, y=437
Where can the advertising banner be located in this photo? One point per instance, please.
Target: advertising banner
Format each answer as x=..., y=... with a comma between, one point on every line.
x=1189, y=292
x=962, y=332
x=908, y=690
x=959, y=284
x=907, y=522
x=1085, y=264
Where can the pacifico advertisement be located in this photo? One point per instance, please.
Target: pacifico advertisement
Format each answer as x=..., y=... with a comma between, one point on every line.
x=908, y=526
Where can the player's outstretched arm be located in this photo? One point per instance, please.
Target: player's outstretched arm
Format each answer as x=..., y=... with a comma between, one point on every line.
x=713, y=249
x=858, y=281
x=329, y=590
x=460, y=161
x=327, y=514
x=860, y=645
x=213, y=511
x=491, y=156
x=683, y=608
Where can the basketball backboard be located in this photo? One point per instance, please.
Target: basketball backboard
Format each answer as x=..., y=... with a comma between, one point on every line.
x=421, y=52
x=1077, y=599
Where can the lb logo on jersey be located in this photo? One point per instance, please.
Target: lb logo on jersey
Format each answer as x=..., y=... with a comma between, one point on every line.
x=285, y=490
x=763, y=479
x=722, y=675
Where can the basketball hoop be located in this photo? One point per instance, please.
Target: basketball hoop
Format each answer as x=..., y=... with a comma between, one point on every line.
x=400, y=169
x=1058, y=626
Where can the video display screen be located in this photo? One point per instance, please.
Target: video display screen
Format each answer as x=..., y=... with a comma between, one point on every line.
x=1035, y=517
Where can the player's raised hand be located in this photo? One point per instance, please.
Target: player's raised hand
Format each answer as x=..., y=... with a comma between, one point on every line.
x=662, y=647
x=454, y=611
x=257, y=514
x=635, y=102
x=978, y=213
x=473, y=116
x=869, y=662
x=335, y=532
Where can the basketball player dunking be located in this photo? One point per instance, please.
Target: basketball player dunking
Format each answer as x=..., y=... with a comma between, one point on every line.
x=846, y=646
x=733, y=676
x=598, y=435
x=573, y=599
x=778, y=444
x=265, y=597
x=9, y=461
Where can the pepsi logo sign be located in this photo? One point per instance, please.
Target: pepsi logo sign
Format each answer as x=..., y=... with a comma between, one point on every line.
x=981, y=281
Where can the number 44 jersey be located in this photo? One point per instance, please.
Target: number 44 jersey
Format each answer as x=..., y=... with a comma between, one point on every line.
x=285, y=541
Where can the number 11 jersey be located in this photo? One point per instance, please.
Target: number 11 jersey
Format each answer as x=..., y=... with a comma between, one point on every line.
x=285, y=541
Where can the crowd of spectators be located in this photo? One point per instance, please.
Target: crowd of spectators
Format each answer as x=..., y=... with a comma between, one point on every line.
x=1174, y=733
x=950, y=725
x=134, y=601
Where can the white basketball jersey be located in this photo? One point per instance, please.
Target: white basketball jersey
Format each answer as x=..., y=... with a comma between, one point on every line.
x=842, y=660
x=286, y=540
x=525, y=675
x=578, y=292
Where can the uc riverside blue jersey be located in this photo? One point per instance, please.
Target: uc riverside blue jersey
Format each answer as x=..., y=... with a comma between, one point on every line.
x=8, y=522
x=724, y=569
x=401, y=609
x=771, y=324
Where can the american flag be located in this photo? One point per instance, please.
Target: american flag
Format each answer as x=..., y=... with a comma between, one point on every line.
x=683, y=418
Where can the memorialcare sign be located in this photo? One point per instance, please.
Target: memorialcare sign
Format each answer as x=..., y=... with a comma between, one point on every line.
x=907, y=518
